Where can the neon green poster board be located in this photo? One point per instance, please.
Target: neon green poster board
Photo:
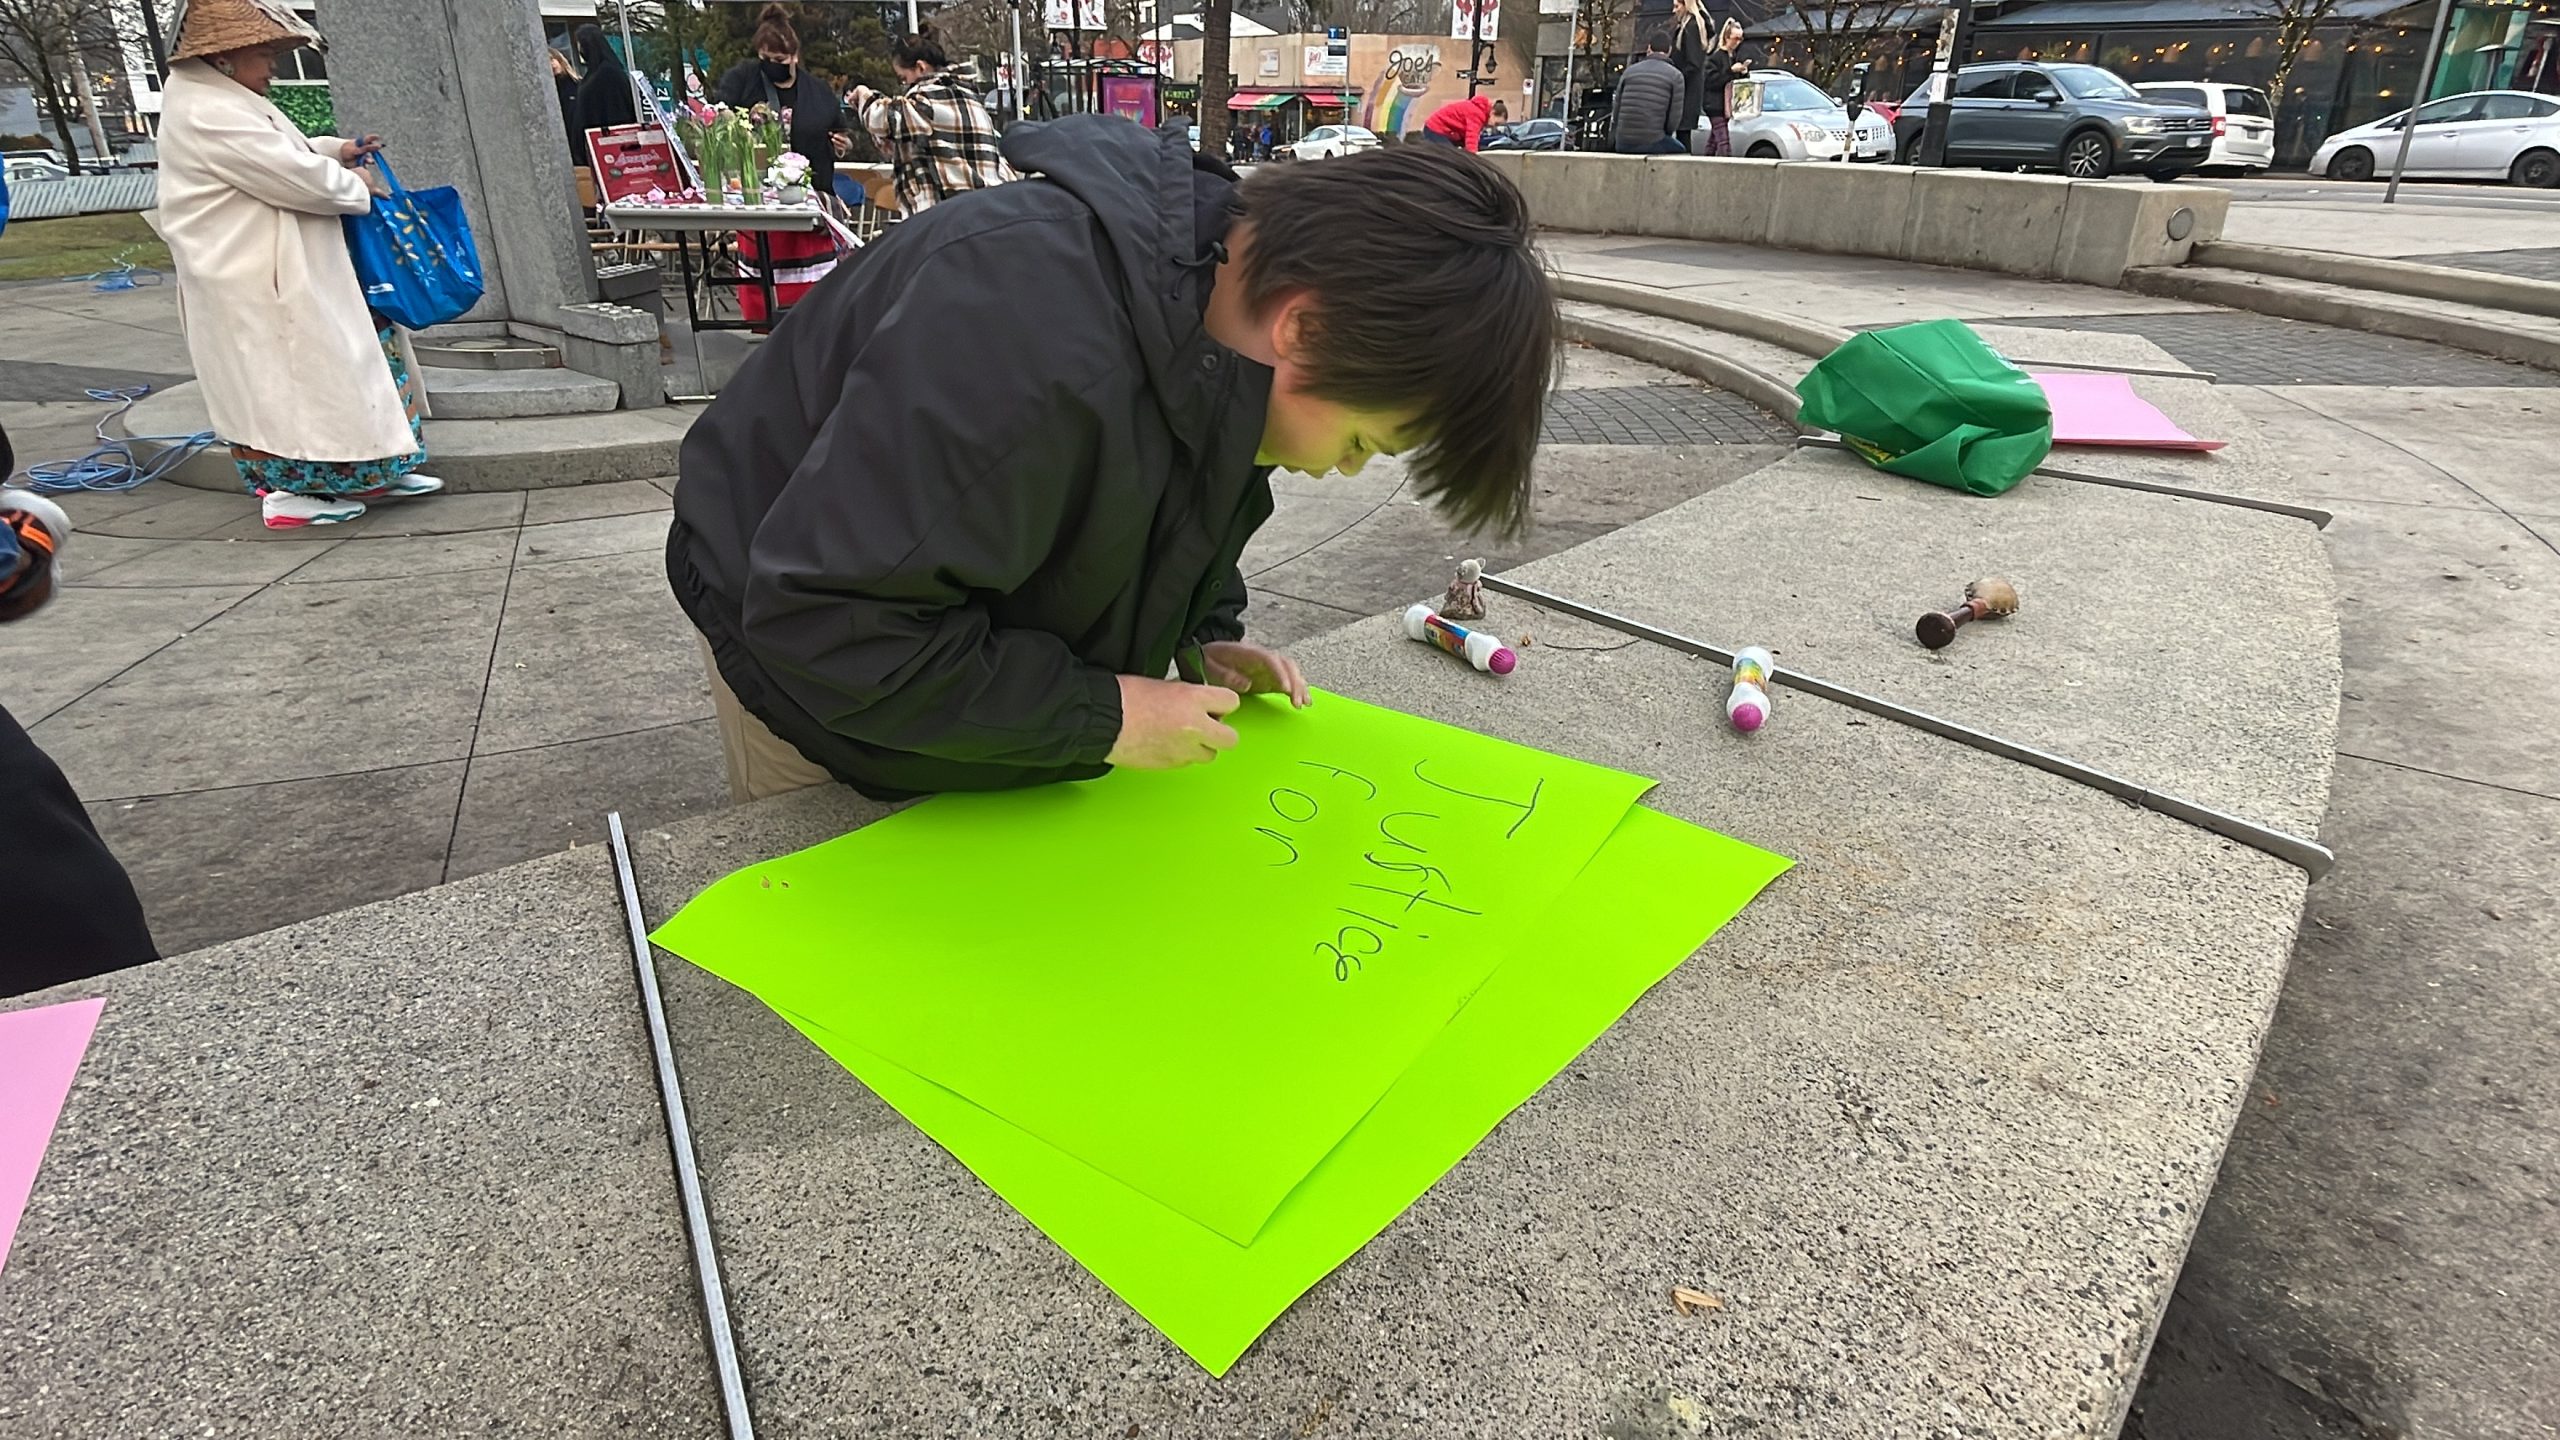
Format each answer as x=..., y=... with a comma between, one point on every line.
x=1650, y=897
x=1197, y=981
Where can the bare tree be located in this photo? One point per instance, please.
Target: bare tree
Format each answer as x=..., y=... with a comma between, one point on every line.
x=1837, y=34
x=1367, y=17
x=2294, y=21
x=38, y=39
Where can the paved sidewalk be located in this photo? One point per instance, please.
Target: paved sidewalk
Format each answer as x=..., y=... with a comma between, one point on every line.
x=2434, y=220
x=273, y=725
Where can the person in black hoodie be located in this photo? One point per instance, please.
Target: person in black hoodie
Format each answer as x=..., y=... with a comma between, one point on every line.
x=71, y=910
x=604, y=97
x=989, y=482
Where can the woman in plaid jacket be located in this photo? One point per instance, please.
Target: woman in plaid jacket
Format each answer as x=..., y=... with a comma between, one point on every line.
x=938, y=136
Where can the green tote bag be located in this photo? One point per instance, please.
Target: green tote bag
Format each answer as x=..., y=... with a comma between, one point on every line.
x=1934, y=402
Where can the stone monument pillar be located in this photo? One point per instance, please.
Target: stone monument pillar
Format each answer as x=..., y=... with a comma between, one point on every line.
x=460, y=92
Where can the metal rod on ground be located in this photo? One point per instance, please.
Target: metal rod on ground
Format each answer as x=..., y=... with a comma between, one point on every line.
x=2319, y=518
x=2426, y=83
x=697, y=1219
x=2312, y=858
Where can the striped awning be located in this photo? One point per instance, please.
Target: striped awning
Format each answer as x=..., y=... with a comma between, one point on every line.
x=1259, y=99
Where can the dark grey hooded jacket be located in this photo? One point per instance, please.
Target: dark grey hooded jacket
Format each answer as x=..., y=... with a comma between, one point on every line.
x=990, y=464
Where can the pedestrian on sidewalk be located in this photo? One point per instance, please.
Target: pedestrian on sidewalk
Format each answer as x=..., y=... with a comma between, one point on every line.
x=315, y=393
x=1725, y=64
x=1645, y=118
x=938, y=136
x=564, y=84
x=1688, y=53
x=954, y=524
x=1461, y=122
x=71, y=912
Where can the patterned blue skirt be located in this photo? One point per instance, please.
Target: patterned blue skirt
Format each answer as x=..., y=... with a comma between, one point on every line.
x=261, y=472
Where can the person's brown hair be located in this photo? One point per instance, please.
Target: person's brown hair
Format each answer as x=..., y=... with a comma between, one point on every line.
x=774, y=32
x=1428, y=297
x=923, y=48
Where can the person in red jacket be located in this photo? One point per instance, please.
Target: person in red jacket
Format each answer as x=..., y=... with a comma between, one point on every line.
x=1462, y=122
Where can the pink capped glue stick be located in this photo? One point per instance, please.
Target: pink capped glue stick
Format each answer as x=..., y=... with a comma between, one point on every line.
x=1473, y=646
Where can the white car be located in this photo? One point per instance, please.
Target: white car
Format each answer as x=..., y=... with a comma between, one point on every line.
x=1325, y=141
x=1799, y=122
x=2512, y=135
x=2244, y=123
x=22, y=168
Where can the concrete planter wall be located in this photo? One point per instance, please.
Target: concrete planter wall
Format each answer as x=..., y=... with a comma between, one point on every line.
x=2044, y=226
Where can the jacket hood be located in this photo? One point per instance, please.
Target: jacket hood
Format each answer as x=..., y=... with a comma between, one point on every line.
x=1165, y=212
x=594, y=52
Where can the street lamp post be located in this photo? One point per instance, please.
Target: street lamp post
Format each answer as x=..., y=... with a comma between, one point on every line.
x=1955, y=36
x=2426, y=83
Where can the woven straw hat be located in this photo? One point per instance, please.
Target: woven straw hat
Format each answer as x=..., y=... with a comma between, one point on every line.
x=213, y=27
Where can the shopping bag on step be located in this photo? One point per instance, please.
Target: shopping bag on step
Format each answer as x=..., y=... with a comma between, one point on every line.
x=1932, y=401
x=413, y=254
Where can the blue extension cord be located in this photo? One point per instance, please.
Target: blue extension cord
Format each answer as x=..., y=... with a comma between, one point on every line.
x=113, y=466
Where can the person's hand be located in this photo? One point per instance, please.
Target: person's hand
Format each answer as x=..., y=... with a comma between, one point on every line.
x=1166, y=724
x=375, y=181
x=842, y=142
x=1252, y=670
x=353, y=153
x=860, y=97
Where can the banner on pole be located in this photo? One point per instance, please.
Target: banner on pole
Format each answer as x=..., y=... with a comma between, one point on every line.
x=1462, y=19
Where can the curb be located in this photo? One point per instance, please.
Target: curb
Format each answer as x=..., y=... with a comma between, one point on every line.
x=2406, y=318
x=2398, y=277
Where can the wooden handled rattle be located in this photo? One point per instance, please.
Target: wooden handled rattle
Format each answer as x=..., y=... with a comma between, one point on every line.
x=1986, y=596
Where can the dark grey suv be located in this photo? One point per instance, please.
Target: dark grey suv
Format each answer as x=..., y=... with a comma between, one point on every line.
x=2077, y=119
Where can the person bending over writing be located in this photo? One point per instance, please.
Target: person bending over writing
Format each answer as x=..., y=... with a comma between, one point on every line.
x=990, y=481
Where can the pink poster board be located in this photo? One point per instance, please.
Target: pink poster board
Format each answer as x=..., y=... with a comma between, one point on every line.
x=2098, y=409
x=39, y=1051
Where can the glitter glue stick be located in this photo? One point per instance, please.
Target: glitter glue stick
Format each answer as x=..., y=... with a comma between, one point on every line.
x=1473, y=646
x=1748, y=706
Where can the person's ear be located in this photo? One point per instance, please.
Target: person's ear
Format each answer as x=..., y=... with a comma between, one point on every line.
x=1293, y=327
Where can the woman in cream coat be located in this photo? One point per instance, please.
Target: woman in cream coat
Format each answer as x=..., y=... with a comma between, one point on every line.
x=309, y=388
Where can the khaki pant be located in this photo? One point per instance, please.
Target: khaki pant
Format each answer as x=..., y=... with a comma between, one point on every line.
x=760, y=763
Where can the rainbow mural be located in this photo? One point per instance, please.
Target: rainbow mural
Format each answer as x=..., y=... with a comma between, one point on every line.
x=1392, y=105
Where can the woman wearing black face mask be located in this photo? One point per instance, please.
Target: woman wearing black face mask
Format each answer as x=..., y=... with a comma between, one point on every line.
x=777, y=80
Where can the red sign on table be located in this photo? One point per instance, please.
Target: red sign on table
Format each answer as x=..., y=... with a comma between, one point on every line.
x=632, y=160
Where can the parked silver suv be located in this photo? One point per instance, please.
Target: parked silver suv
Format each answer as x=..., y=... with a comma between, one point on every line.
x=2077, y=119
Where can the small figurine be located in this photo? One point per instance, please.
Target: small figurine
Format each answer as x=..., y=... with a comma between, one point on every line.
x=1465, y=600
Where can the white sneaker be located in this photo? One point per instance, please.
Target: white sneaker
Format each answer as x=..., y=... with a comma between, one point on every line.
x=407, y=487
x=285, y=510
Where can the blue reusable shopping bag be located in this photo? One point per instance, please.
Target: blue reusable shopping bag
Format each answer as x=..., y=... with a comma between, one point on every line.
x=414, y=255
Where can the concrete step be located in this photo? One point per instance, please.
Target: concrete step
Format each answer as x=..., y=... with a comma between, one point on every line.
x=459, y=394
x=2041, y=350
x=1758, y=371
x=491, y=353
x=532, y=453
x=2482, y=288
x=2507, y=334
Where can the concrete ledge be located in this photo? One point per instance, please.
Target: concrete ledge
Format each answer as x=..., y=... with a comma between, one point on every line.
x=1936, y=1116
x=1713, y=198
x=2399, y=277
x=2111, y=226
x=540, y=453
x=2526, y=339
x=1841, y=209
x=2042, y=226
x=1981, y=221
